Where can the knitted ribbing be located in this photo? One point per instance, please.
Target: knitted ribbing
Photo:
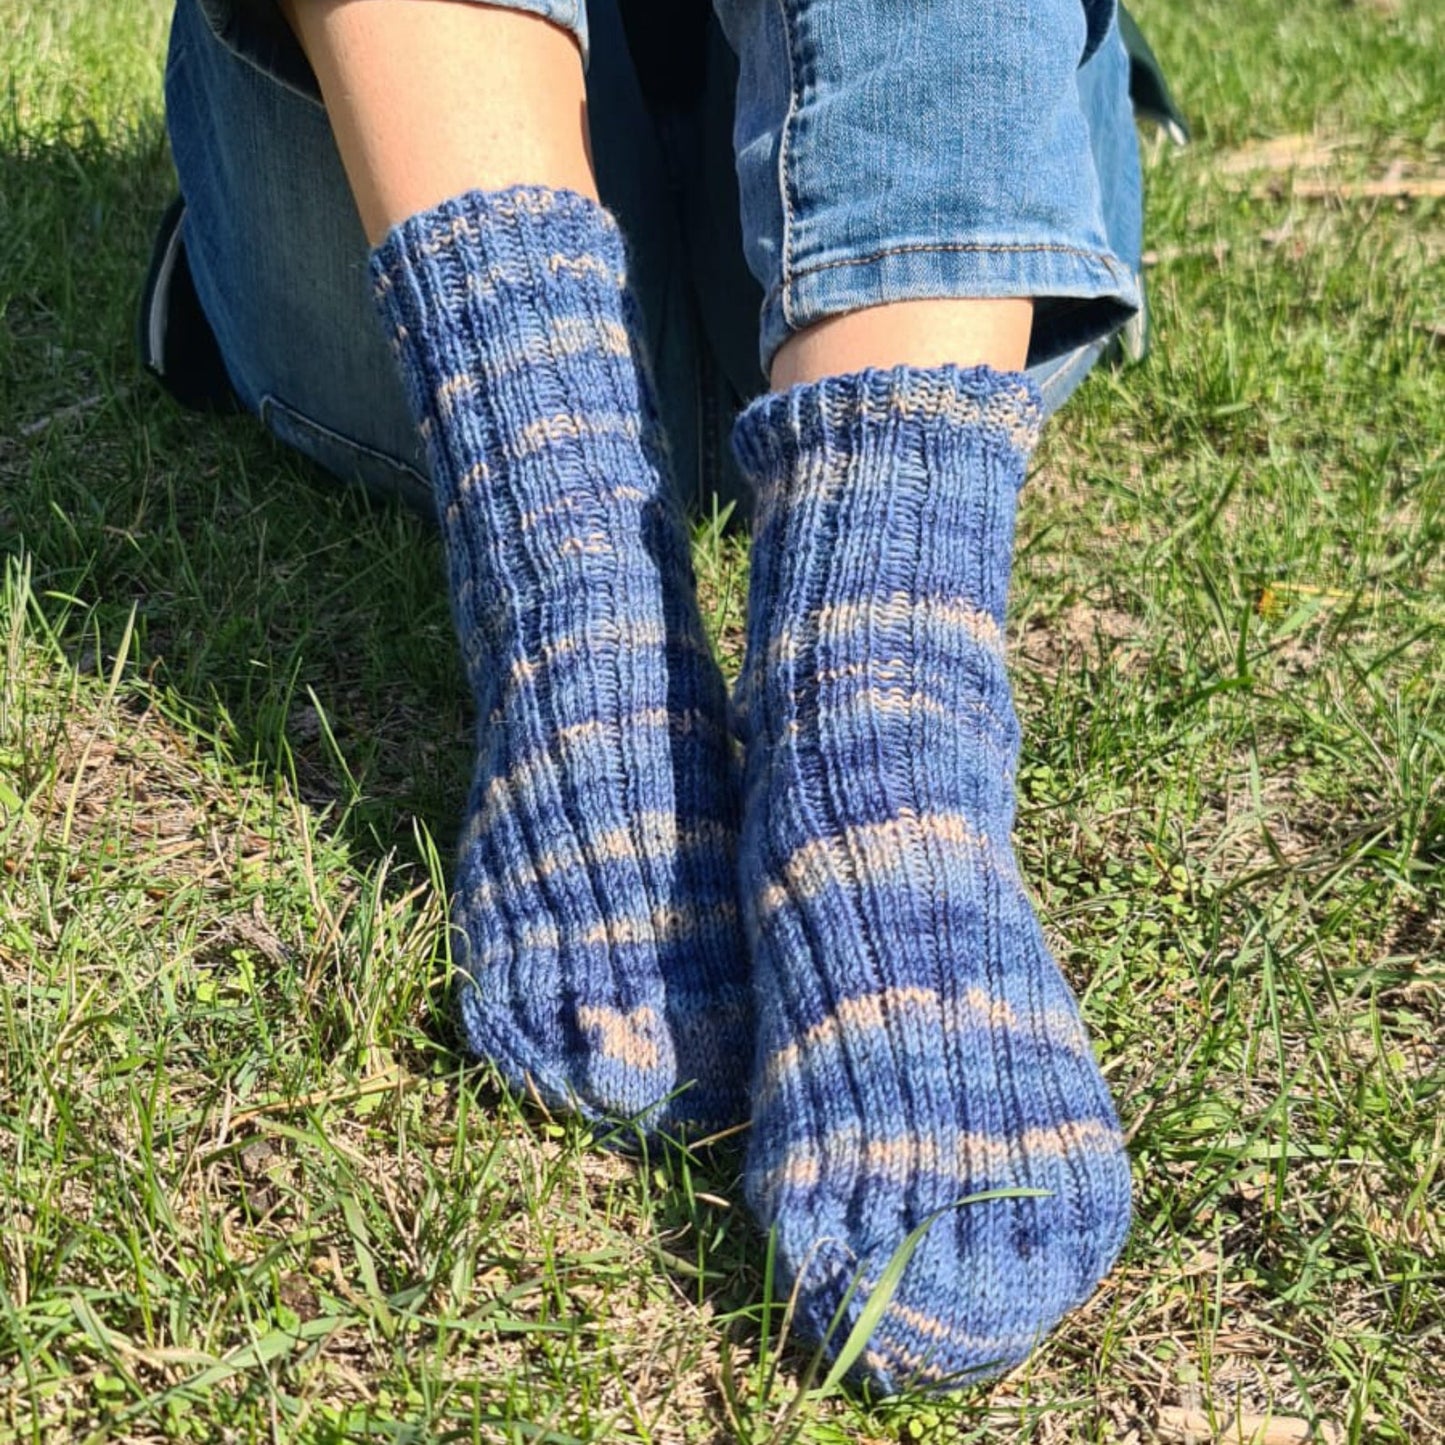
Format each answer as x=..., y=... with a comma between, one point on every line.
x=594, y=910
x=917, y=1042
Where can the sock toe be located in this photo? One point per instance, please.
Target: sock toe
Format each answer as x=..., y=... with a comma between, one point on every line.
x=986, y=1281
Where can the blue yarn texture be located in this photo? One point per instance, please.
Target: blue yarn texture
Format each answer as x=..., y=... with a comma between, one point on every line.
x=917, y=1042
x=595, y=903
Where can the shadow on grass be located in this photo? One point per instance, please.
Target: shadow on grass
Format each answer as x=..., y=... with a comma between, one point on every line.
x=300, y=626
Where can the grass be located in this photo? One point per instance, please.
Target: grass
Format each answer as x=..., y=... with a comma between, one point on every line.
x=249, y=1190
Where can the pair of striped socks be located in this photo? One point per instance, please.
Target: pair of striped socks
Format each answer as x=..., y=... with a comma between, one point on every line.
x=835, y=945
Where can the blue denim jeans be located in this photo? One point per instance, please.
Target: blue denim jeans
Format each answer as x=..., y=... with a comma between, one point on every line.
x=837, y=154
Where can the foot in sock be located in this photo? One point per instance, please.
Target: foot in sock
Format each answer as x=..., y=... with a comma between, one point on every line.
x=601, y=957
x=917, y=1043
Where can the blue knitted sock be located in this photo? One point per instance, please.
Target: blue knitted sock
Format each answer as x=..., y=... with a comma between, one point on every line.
x=595, y=903
x=917, y=1042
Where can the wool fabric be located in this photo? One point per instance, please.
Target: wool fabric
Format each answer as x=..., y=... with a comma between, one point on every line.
x=595, y=908
x=917, y=1042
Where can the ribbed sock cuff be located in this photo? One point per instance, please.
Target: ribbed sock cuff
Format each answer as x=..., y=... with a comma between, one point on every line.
x=875, y=408
x=499, y=296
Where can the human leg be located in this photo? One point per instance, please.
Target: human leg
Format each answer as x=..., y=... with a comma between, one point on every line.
x=918, y=1044
x=932, y=331
x=435, y=98
x=594, y=910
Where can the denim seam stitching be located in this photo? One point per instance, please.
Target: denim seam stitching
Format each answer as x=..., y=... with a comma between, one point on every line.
x=275, y=402
x=780, y=292
x=247, y=59
x=785, y=189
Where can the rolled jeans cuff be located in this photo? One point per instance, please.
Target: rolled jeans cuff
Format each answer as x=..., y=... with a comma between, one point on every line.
x=1080, y=296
